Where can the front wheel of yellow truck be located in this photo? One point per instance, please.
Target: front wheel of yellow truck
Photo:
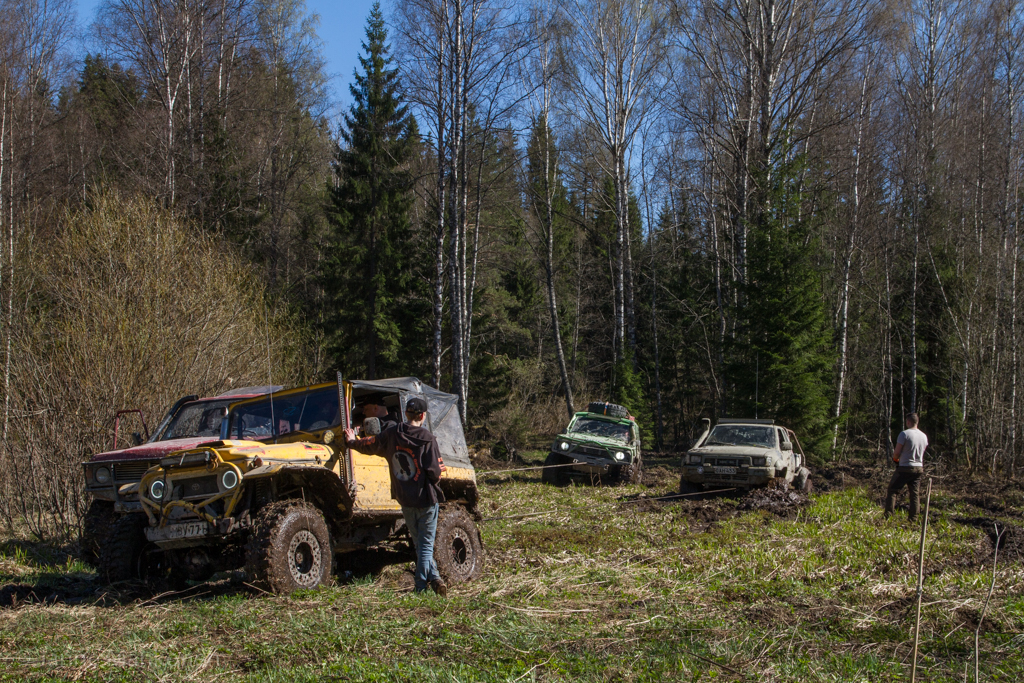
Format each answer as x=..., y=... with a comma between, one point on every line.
x=289, y=548
x=127, y=556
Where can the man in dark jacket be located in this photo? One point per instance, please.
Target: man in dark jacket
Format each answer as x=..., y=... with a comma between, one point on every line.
x=415, y=466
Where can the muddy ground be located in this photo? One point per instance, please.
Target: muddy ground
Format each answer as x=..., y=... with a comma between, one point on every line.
x=992, y=500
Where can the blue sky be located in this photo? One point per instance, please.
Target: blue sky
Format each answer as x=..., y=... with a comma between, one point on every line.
x=342, y=25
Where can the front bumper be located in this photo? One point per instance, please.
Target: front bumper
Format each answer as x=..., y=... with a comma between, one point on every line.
x=589, y=464
x=728, y=476
x=586, y=463
x=200, y=488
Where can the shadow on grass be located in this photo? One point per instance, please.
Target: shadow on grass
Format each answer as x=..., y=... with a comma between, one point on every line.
x=59, y=583
x=54, y=588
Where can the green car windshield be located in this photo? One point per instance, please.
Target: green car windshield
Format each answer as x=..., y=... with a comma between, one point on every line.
x=742, y=435
x=602, y=428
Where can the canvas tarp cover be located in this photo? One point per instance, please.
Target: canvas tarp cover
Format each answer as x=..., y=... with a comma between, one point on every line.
x=442, y=414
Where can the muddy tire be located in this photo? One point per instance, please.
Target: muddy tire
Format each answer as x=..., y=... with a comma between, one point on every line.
x=633, y=473
x=802, y=481
x=609, y=409
x=97, y=524
x=128, y=556
x=121, y=556
x=290, y=548
x=551, y=474
x=458, y=550
x=689, y=487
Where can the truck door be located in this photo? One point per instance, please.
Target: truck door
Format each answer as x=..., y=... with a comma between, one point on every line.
x=372, y=476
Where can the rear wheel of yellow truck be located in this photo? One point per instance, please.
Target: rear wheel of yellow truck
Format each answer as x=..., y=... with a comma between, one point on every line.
x=290, y=548
x=458, y=550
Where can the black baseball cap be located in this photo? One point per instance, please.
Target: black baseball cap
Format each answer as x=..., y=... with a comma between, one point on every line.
x=415, y=405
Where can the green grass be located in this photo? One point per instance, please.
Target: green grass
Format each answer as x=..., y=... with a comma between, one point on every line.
x=598, y=590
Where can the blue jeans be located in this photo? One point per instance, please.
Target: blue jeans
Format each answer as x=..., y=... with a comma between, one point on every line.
x=422, y=523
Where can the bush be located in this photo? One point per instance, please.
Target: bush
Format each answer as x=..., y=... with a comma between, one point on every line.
x=122, y=306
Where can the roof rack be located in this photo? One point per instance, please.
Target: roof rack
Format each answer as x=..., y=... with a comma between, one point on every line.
x=742, y=421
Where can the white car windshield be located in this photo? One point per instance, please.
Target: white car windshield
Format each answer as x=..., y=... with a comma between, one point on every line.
x=603, y=428
x=742, y=435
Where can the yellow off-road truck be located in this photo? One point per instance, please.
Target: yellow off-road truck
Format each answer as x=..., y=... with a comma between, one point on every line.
x=281, y=495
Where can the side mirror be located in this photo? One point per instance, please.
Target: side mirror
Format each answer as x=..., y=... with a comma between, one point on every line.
x=136, y=439
x=787, y=445
x=371, y=426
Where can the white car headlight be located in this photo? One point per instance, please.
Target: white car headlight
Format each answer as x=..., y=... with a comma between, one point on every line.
x=694, y=459
x=102, y=475
x=620, y=456
x=564, y=445
x=229, y=479
x=156, y=490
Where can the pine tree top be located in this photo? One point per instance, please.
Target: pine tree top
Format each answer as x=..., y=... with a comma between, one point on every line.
x=377, y=106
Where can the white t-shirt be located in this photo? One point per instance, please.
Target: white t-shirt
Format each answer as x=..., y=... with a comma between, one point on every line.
x=914, y=442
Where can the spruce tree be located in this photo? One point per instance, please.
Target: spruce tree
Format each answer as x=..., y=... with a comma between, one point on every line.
x=783, y=363
x=368, y=272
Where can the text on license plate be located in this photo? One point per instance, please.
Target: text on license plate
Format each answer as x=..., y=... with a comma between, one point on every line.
x=189, y=530
x=725, y=470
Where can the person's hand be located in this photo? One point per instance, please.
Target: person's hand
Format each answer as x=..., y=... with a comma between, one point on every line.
x=350, y=435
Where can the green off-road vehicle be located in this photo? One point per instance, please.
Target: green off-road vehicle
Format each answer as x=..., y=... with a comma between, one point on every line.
x=744, y=454
x=601, y=444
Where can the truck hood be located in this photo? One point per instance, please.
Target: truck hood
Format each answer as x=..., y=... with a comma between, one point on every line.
x=731, y=450
x=153, y=451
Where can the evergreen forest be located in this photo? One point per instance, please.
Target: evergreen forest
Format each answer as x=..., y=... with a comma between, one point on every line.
x=805, y=210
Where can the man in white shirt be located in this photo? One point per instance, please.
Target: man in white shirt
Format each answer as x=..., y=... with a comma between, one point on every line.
x=909, y=456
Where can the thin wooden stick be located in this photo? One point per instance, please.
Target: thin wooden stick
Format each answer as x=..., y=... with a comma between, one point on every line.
x=992, y=587
x=920, y=580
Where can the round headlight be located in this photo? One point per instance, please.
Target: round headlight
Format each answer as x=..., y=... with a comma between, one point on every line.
x=156, y=490
x=564, y=445
x=102, y=475
x=620, y=456
x=328, y=436
x=700, y=470
x=229, y=479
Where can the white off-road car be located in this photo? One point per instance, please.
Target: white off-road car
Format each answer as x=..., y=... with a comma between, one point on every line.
x=744, y=454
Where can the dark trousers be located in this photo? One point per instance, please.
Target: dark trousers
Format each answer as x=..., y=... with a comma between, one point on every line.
x=911, y=478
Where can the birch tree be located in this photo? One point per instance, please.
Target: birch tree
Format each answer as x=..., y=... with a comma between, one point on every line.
x=160, y=38
x=469, y=50
x=544, y=166
x=616, y=51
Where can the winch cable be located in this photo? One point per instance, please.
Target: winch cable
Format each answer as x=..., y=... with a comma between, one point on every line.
x=621, y=502
x=674, y=496
x=527, y=469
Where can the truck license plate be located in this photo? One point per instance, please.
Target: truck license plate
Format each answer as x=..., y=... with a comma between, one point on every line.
x=187, y=530
x=725, y=470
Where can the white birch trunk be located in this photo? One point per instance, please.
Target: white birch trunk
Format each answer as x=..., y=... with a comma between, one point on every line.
x=844, y=306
